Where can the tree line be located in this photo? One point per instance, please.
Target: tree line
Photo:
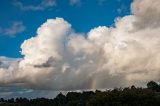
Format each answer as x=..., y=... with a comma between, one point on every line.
x=129, y=96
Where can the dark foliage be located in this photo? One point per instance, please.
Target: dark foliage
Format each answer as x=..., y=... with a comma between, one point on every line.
x=154, y=86
x=130, y=96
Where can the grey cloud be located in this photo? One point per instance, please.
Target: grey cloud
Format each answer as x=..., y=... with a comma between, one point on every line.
x=147, y=13
x=48, y=63
x=14, y=92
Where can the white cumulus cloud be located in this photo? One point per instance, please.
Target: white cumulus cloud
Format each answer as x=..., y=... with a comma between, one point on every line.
x=60, y=59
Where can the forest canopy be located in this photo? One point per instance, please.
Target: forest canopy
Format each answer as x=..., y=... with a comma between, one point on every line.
x=129, y=96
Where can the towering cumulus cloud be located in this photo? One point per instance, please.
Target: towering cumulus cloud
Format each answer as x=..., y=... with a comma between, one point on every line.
x=60, y=59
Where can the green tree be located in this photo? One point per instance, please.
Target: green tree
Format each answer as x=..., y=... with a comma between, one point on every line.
x=153, y=86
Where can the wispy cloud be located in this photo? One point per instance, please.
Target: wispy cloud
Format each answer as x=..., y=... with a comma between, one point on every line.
x=44, y=4
x=100, y=2
x=75, y=2
x=5, y=62
x=15, y=28
x=122, y=9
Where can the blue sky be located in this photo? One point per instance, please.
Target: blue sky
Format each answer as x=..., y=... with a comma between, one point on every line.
x=20, y=19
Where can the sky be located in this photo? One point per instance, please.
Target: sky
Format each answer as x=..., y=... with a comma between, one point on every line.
x=52, y=46
x=83, y=15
